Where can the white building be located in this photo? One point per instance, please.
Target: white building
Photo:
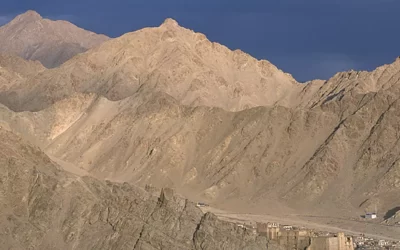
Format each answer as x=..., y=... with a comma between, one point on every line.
x=201, y=204
x=370, y=216
x=287, y=227
x=383, y=243
x=273, y=225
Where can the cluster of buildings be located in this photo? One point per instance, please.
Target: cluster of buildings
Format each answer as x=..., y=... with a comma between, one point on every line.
x=362, y=242
x=290, y=237
x=248, y=227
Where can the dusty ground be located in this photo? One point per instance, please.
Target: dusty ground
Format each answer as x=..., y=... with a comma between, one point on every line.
x=349, y=226
x=71, y=168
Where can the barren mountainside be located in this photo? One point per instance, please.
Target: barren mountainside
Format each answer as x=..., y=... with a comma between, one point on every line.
x=169, y=58
x=167, y=107
x=296, y=156
x=14, y=69
x=43, y=207
x=51, y=42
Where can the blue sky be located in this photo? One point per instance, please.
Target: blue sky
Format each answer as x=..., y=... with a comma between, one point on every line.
x=307, y=38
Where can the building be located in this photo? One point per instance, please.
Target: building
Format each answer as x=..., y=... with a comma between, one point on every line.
x=273, y=233
x=250, y=228
x=383, y=243
x=273, y=225
x=201, y=204
x=262, y=228
x=359, y=240
x=287, y=227
x=370, y=216
x=289, y=238
x=340, y=242
x=268, y=230
x=294, y=239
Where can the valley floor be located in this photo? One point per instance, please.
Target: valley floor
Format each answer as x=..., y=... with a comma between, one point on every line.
x=330, y=224
x=348, y=225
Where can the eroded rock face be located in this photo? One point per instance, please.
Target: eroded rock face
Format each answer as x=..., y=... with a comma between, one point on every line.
x=42, y=207
x=211, y=234
x=392, y=217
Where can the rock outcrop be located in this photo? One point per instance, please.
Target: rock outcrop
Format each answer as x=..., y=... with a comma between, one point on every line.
x=14, y=70
x=43, y=207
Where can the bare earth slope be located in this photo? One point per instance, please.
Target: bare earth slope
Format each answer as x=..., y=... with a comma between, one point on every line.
x=167, y=107
x=320, y=157
x=50, y=42
x=169, y=58
x=43, y=207
x=14, y=69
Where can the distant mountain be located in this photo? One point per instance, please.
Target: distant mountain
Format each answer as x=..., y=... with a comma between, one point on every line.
x=50, y=42
x=171, y=59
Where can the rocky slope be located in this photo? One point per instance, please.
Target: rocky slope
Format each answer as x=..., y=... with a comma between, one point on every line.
x=299, y=157
x=51, y=42
x=394, y=219
x=169, y=58
x=43, y=207
x=165, y=106
x=14, y=69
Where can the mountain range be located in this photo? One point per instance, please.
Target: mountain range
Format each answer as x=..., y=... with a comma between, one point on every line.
x=167, y=107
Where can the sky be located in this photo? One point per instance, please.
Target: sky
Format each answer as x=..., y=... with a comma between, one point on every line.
x=311, y=39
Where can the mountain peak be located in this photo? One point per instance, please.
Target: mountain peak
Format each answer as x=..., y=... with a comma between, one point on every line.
x=51, y=42
x=170, y=22
x=29, y=16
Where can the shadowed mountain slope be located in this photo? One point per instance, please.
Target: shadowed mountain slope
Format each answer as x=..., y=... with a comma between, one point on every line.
x=51, y=42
